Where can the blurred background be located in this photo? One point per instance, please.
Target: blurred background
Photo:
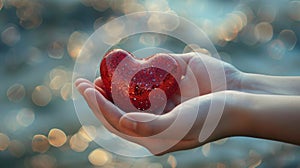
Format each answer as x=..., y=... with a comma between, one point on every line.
x=40, y=40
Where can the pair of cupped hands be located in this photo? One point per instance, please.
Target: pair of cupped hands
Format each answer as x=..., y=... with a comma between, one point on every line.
x=131, y=125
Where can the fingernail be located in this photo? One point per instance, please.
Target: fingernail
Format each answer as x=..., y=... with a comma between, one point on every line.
x=129, y=124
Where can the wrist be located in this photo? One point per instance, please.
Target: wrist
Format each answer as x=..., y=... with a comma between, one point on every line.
x=260, y=84
x=237, y=113
x=234, y=79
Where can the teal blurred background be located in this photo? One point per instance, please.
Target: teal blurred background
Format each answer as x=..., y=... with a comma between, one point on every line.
x=40, y=40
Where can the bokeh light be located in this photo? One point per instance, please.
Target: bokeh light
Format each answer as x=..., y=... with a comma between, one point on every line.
x=57, y=137
x=56, y=50
x=206, y=149
x=99, y=157
x=276, y=49
x=4, y=141
x=75, y=43
x=43, y=160
x=294, y=10
x=41, y=40
x=41, y=95
x=10, y=36
x=263, y=32
x=172, y=161
x=16, y=92
x=78, y=144
x=16, y=148
x=40, y=143
x=25, y=117
x=1, y=4
x=289, y=38
x=87, y=133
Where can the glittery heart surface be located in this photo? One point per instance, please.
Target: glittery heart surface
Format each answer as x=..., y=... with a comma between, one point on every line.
x=147, y=83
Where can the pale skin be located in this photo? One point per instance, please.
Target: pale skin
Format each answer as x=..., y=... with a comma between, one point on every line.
x=256, y=105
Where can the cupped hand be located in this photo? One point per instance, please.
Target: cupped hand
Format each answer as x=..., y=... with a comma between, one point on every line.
x=211, y=74
x=186, y=120
x=142, y=128
x=201, y=74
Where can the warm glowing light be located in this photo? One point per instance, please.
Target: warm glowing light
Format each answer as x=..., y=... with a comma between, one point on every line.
x=40, y=143
x=221, y=141
x=114, y=29
x=66, y=91
x=130, y=6
x=57, y=137
x=195, y=48
x=206, y=149
x=266, y=13
x=10, y=36
x=1, y=4
x=242, y=16
x=263, y=32
x=276, y=49
x=41, y=95
x=255, y=159
x=16, y=148
x=77, y=144
x=172, y=161
x=75, y=43
x=159, y=22
x=99, y=157
x=56, y=50
x=99, y=5
x=4, y=141
x=25, y=117
x=57, y=72
x=294, y=10
x=157, y=5
x=229, y=30
x=16, y=92
x=43, y=161
x=221, y=165
x=148, y=39
x=29, y=13
x=289, y=38
x=87, y=133
x=248, y=35
x=170, y=23
x=57, y=82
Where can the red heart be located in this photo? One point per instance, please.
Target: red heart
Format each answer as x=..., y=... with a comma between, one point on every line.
x=136, y=78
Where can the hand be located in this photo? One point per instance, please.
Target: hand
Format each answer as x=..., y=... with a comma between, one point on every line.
x=196, y=79
x=131, y=126
x=196, y=65
x=193, y=67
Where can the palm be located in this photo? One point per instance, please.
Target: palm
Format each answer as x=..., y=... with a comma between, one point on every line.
x=202, y=75
x=206, y=70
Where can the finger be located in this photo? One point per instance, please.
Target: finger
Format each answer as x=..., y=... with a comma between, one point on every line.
x=81, y=80
x=99, y=82
x=81, y=87
x=111, y=112
x=108, y=114
x=146, y=124
x=101, y=88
